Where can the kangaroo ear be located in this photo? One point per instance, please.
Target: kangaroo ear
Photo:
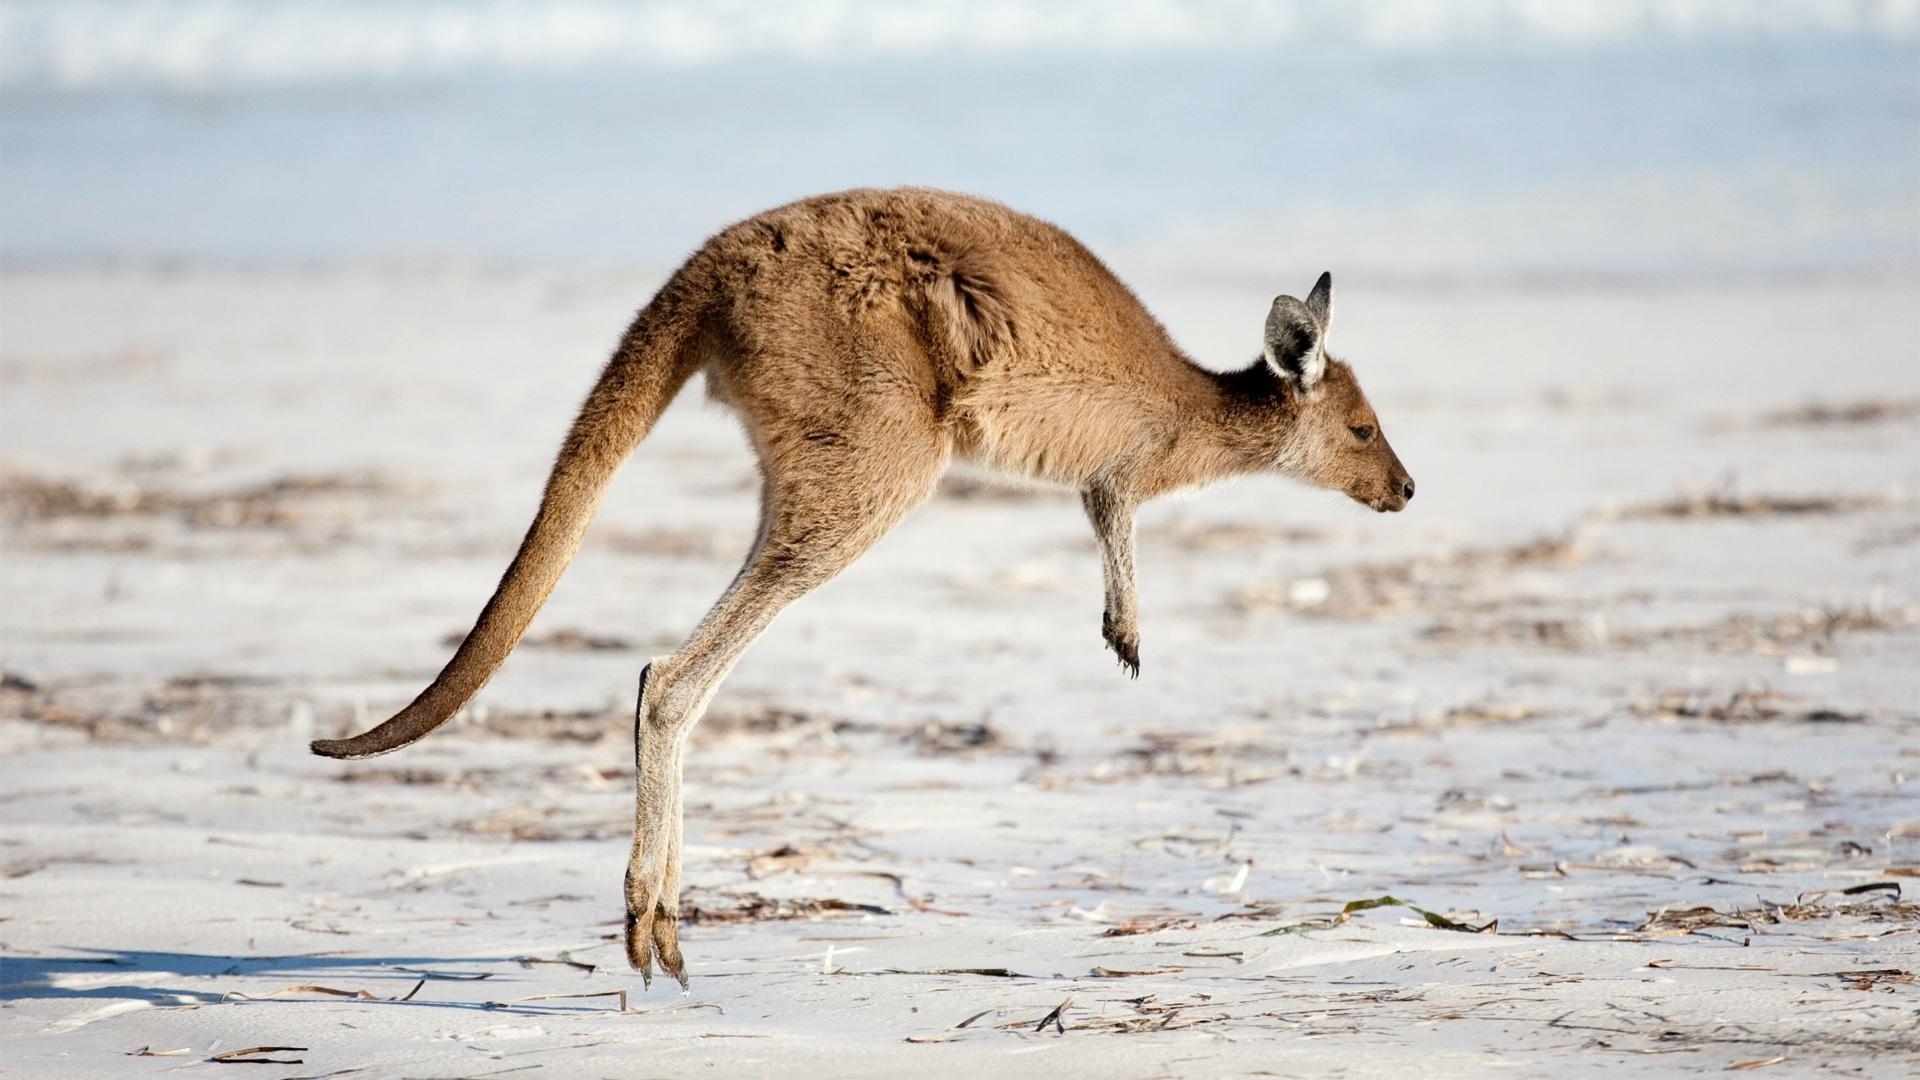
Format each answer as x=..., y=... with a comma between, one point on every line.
x=1293, y=342
x=1320, y=301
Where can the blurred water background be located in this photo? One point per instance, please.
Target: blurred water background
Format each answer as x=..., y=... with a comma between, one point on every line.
x=1515, y=140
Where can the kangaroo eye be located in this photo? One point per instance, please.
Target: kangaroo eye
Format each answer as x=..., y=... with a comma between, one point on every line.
x=1364, y=432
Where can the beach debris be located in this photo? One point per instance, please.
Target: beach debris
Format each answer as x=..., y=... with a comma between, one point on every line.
x=935, y=737
x=1830, y=414
x=285, y=501
x=252, y=1056
x=704, y=906
x=1226, y=536
x=1779, y=634
x=1054, y=1018
x=1739, y=707
x=619, y=996
x=1467, y=578
x=452, y=976
x=1354, y=907
x=1239, y=880
x=563, y=960
x=986, y=972
x=1148, y=924
x=1874, y=902
x=1870, y=978
x=527, y=821
x=325, y=991
x=1727, y=504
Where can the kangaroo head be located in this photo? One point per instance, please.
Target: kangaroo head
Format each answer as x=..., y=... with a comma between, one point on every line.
x=1335, y=442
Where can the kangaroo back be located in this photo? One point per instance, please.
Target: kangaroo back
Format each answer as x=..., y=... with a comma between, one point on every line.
x=657, y=355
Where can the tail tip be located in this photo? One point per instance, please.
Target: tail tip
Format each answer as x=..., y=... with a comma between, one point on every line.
x=332, y=748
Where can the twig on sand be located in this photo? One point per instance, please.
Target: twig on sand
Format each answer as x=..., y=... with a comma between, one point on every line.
x=621, y=995
x=363, y=995
x=992, y=973
x=250, y=1056
x=563, y=959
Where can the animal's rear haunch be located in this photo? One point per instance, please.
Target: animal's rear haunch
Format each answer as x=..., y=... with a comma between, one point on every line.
x=654, y=360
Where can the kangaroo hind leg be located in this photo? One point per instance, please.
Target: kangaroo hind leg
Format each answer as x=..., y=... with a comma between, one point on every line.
x=826, y=501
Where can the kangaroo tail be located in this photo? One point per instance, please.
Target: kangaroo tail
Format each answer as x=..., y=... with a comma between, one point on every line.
x=656, y=357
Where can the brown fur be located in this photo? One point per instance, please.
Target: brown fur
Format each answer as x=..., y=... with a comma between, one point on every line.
x=866, y=339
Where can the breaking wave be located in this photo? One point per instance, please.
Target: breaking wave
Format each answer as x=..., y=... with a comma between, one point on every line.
x=215, y=44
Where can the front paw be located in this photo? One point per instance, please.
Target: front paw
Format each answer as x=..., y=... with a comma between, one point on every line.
x=1125, y=643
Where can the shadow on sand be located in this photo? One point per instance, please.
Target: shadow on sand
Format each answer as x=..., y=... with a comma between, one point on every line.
x=86, y=973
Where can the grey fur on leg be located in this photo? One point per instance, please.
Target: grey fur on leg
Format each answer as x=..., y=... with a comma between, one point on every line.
x=1112, y=516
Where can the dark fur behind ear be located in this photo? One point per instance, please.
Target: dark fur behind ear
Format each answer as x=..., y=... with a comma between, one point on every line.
x=1293, y=343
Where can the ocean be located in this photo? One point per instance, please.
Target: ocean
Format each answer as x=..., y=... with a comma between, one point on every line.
x=1527, y=141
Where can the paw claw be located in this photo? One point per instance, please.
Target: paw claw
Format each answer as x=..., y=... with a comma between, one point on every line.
x=1126, y=648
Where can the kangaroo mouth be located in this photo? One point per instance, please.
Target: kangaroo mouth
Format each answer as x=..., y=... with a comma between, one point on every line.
x=1382, y=504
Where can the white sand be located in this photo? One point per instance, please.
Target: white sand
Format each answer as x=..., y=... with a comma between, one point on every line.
x=1656, y=716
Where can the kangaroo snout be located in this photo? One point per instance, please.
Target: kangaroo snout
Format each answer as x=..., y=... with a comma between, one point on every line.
x=1397, y=494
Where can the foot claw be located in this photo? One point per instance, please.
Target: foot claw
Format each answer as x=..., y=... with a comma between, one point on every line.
x=655, y=935
x=666, y=945
x=1126, y=648
x=640, y=949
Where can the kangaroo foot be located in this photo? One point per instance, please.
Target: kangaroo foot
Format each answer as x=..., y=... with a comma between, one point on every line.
x=1125, y=643
x=653, y=933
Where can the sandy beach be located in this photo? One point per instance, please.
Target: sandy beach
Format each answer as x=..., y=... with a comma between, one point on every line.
x=1601, y=758
x=1621, y=715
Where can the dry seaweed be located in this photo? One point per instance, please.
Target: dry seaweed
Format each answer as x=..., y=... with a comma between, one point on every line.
x=281, y=502
x=1375, y=590
x=1226, y=536
x=1875, y=902
x=183, y=710
x=1726, y=504
x=1851, y=413
x=538, y=823
x=1564, y=634
x=708, y=907
x=1739, y=707
x=1805, y=630
x=252, y=1056
x=1808, y=628
x=1219, y=759
x=1147, y=925
x=936, y=738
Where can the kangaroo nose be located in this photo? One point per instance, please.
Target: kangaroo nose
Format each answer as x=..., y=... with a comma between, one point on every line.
x=1406, y=489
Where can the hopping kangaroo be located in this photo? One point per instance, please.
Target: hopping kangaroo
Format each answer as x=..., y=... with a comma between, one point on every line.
x=867, y=339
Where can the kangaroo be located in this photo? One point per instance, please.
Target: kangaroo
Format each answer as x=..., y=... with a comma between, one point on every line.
x=867, y=339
